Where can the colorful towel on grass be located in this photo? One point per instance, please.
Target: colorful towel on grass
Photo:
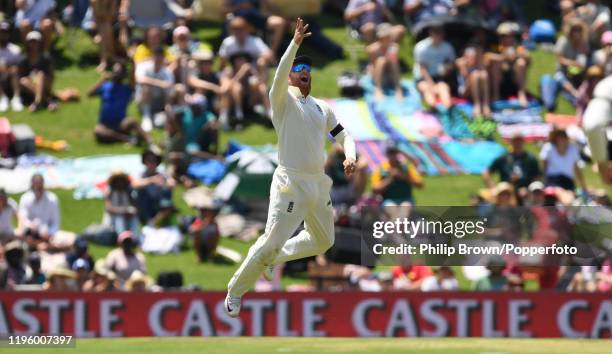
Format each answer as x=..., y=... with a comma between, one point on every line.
x=429, y=158
x=561, y=120
x=473, y=157
x=531, y=132
x=354, y=115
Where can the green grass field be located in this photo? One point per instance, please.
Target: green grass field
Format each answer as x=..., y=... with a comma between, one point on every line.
x=75, y=58
x=329, y=345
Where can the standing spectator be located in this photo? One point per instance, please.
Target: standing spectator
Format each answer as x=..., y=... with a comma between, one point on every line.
x=154, y=85
x=39, y=214
x=603, y=57
x=124, y=260
x=518, y=166
x=366, y=15
x=574, y=55
x=474, y=80
x=120, y=210
x=443, y=279
x=13, y=273
x=8, y=215
x=560, y=162
x=394, y=180
x=104, y=13
x=251, y=11
x=384, y=63
x=10, y=55
x=36, y=73
x=204, y=230
x=433, y=70
x=152, y=187
x=509, y=65
x=113, y=123
x=36, y=15
x=240, y=41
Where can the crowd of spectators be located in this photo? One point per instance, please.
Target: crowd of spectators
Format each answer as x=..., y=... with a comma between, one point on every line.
x=465, y=50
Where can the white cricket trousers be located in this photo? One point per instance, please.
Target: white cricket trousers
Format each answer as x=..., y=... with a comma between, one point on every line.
x=294, y=197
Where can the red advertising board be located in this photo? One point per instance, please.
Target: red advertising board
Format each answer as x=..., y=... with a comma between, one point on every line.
x=309, y=314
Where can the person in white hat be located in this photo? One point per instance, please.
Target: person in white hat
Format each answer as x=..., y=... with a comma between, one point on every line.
x=300, y=189
x=36, y=73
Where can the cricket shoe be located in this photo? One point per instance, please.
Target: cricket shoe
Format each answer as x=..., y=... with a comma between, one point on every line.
x=268, y=272
x=232, y=306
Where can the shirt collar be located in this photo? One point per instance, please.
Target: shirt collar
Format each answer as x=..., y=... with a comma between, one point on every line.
x=296, y=92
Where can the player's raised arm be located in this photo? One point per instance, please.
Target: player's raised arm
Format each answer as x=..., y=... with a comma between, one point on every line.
x=278, y=92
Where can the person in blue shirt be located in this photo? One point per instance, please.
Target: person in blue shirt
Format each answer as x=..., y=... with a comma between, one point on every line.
x=113, y=123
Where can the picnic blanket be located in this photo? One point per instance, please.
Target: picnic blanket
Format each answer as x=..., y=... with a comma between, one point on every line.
x=561, y=120
x=473, y=157
x=531, y=132
x=354, y=115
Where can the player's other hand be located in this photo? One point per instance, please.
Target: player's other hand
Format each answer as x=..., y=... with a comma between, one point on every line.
x=349, y=167
x=301, y=29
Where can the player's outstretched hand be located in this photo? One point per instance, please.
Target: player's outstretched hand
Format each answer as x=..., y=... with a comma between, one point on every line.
x=300, y=31
x=349, y=167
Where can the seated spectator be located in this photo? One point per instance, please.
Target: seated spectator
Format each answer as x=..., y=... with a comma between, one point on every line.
x=240, y=42
x=494, y=12
x=497, y=280
x=518, y=166
x=177, y=159
x=10, y=56
x=574, y=54
x=8, y=218
x=434, y=68
x=104, y=13
x=81, y=269
x=394, y=180
x=113, y=123
x=420, y=13
x=204, y=230
x=36, y=15
x=138, y=282
x=13, y=271
x=39, y=214
x=408, y=276
x=593, y=13
x=80, y=251
x=603, y=57
x=153, y=38
x=165, y=217
x=443, y=279
x=154, y=85
x=119, y=207
x=243, y=84
x=584, y=280
x=560, y=162
x=124, y=260
x=253, y=12
x=474, y=83
x=152, y=187
x=61, y=278
x=509, y=65
x=102, y=279
x=150, y=13
x=367, y=15
x=182, y=50
x=604, y=276
x=36, y=74
x=345, y=190
x=35, y=275
x=204, y=80
x=384, y=64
